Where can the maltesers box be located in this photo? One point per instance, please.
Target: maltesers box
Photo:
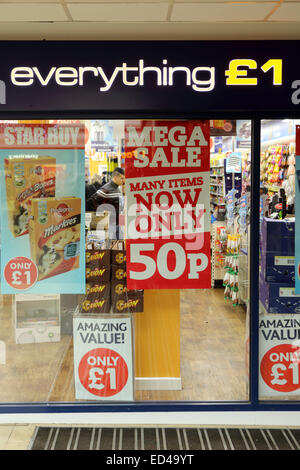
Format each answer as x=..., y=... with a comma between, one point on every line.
x=278, y=297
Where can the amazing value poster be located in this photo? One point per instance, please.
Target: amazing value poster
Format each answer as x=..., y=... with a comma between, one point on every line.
x=103, y=358
x=167, y=195
x=42, y=208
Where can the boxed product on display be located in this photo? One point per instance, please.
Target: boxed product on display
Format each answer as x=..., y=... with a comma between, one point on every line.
x=97, y=296
x=118, y=253
x=278, y=268
x=278, y=250
x=123, y=300
x=97, y=257
x=36, y=318
x=106, y=285
x=97, y=303
x=27, y=177
x=54, y=233
x=130, y=301
x=96, y=273
x=278, y=297
x=118, y=273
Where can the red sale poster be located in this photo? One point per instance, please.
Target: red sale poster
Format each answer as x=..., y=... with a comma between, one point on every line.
x=167, y=197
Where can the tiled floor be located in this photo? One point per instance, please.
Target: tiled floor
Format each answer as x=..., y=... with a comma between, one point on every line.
x=15, y=436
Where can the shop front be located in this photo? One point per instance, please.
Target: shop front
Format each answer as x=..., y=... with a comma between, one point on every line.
x=149, y=259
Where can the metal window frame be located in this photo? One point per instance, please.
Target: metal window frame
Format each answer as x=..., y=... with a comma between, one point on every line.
x=253, y=403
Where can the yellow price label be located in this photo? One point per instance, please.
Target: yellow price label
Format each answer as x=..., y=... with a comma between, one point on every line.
x=237, y=73
x=238, y=76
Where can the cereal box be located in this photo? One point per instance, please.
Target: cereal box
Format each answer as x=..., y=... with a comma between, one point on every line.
x=54, y=232
x=26, y=177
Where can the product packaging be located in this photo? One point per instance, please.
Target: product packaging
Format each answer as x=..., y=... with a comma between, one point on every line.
x=54, y=233
x=131, y=301
x=27, y=177
x=278, y=297
x=118, y=253
x=97, y=296
x=278, y=250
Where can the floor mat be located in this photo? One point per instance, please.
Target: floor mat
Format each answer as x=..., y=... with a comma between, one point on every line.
x=101, y=438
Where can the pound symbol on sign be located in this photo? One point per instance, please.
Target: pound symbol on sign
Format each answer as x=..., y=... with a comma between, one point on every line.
x=95, y=380
x=276, y=374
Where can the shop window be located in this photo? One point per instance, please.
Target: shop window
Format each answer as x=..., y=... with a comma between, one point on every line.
x=125, y=260
x=279, y=294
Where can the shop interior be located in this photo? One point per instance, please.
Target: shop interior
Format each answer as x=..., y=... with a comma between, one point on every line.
x=189, y=345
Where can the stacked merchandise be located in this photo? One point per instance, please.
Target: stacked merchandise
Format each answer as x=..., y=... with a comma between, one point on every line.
x=217, y=188
x=123, y=300
x=277, y=276
x=230, y=281
x=276, y=163
x=97, y=269
x=106, y=282
x=246, y=172
x=220, y=247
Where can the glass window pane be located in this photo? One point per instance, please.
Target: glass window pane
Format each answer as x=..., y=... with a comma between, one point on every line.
x=279, y=305
x=141, y=290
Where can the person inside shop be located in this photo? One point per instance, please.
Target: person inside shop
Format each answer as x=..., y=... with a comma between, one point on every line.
x=99, y=180
x=109, y=198
x=90, y=189
x=103, y=181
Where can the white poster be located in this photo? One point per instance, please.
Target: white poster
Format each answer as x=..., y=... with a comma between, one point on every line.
x=103, y=364
x=279, y=355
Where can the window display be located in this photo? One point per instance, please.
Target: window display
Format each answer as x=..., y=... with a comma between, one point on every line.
x=110, y=338
x=113, y=338
x=279, y=304
x=42, y=167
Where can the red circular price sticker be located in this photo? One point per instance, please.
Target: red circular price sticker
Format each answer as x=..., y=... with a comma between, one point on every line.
x=103, y=372
x=279, y=368
x=20, y=273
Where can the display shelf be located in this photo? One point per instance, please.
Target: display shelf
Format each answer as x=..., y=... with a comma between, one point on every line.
x=217, y=255
x=217, y=189
x=244, y=270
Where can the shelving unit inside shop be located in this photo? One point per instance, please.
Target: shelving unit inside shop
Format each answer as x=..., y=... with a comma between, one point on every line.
x=218, y=250
x=244, y=268
x=217, y=186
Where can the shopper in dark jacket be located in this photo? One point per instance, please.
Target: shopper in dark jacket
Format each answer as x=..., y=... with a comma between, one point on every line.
x=90, y=189
x=109, y=197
